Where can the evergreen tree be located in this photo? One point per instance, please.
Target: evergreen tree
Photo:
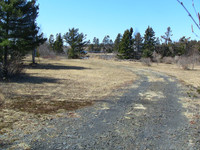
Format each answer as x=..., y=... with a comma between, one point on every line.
x=77, y=43
x=138, y=42
x=182, y=47
x=126, y=45
x=167, y=36
x=58, y=44
x=167, y=45
x=18, y=29
x=107, y=44
x=96, y=45
x=149, y=42
x=117, y=42
x=51, y=41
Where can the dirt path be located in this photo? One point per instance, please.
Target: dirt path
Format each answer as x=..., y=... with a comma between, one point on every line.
x=148, y=116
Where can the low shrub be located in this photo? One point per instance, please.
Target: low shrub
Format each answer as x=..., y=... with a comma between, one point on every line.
x=15, y=67
x=146, y=61
x=45, y=51
x=156, y=57
x=184, y=62
x=176, y=59
x=168, y=60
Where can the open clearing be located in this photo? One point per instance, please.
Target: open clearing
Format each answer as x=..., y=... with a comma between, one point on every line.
x=55, y=86
x=124, y=96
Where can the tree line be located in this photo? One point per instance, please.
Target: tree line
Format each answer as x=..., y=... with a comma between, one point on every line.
x=126, y=46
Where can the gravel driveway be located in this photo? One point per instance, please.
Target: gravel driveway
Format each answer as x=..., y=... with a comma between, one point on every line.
x=148, y=116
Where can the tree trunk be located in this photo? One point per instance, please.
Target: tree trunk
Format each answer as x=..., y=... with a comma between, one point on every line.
x=5, y=63
x=33, y=56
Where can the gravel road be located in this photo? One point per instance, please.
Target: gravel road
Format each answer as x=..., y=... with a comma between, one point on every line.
x=149, y=116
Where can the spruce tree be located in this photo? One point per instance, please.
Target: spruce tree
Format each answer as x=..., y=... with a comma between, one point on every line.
x=107, y=44
x=149, y=42
x=77, y=43
x=51, y=41
x=96, y=45
x=58, y=44
x=18, y=29
x=167, y=36
x=117, y=42
x=126, y=45
x=138, y=42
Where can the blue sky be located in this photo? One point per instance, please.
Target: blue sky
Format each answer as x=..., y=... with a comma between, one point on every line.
x=98, y=18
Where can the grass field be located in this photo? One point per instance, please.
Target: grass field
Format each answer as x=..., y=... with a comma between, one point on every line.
x=56, y=86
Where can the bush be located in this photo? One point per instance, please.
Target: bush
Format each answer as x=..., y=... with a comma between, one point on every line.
x=15, y=66
x=176, y=59
x=156, y=57
x=45, y=51
x=168, y=60
x=184, y=62
x=146, y=61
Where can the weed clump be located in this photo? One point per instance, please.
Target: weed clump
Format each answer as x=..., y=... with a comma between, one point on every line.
x=146, y=61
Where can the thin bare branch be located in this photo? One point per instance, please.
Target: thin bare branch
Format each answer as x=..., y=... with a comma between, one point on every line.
x=194, y=8
x=189, y=14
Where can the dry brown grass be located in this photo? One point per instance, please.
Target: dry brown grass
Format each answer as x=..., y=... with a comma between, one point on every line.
x=55, y=86
x=189, y=77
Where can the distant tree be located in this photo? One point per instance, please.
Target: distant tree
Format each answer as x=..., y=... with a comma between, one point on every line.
x=182, y=46
x=126, y=45
x=58, y=44
x=77, y=43
x=107, y=44
x=166, y=49
x=51, y=41
x=149, y=42
x=138, y=42
x=117, y=42
x=19, y=32
x=91, y=47
x=96, y=45
x=167, y=36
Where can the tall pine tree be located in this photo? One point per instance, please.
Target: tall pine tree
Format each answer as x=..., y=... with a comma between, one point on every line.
x=149, y=42
x=126, y=45
x=117, y=42
x=107, y=44
x=51, y=42
x=18, y=29
x=138, y=42
x=96, y=45
x=58, y=44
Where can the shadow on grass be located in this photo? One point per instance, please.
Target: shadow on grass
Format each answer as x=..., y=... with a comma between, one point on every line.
x=24, y=78
x=53, y=67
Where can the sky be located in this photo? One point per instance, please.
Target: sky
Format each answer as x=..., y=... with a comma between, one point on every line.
x=98, y=18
